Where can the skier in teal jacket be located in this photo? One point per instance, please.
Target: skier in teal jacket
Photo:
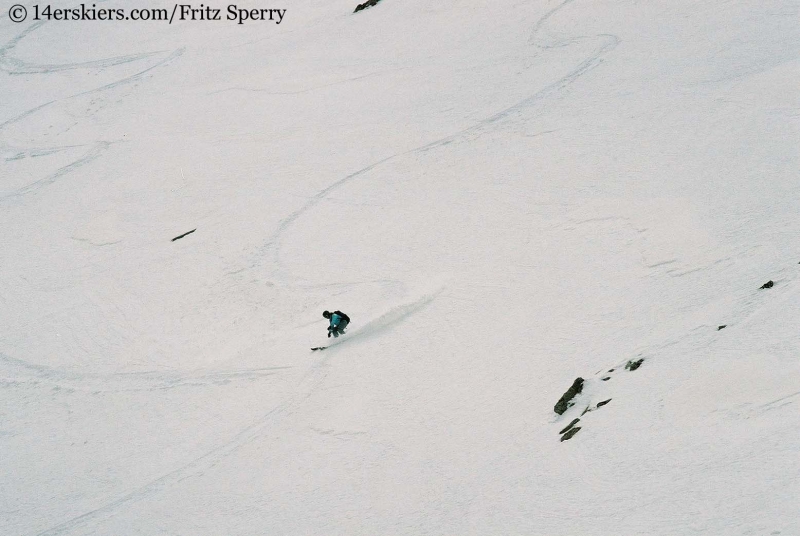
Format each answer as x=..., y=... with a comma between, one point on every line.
x=338, y=322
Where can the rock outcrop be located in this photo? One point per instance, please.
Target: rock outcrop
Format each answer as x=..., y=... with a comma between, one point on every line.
x=571, y=433
x=633, y=365
x=566, y=399
x=569, y=426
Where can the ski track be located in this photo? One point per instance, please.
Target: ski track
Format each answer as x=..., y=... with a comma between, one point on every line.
x=16, y=373
x=749, y=305
x=96, y=149
x=608, y=43
x=197, y=465
x=13, y=65
x=377, y=325
x=307, y=386
x=24, y=114
x=39, y=151
x=317, y=372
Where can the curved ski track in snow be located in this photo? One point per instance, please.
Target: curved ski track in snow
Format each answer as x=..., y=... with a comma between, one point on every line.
x=14, y=65
x=96, y=149
x=607, y=43
x=317, y=373
x=308, y=384
x=17, y=372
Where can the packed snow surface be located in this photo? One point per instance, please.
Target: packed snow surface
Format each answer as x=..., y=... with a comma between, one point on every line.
x=502, y=195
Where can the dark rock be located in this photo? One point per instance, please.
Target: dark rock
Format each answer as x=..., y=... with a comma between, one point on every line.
x=768, y=284
x=606, y=378
x=633, y=365
x=570, y=425
x=571, y=433
x=603, y=403
x=611, y=370
x=365, y=5
x=723, y=326
x=566, y=399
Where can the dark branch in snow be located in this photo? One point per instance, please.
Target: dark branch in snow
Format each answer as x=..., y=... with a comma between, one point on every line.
x=184, y=234
x=365, y=5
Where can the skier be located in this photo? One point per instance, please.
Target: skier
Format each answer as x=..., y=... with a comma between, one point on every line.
x=339, y=322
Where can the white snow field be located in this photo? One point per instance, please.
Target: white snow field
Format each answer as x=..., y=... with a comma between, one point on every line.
x=502, y=195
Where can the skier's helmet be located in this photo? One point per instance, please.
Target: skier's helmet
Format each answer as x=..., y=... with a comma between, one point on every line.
x=326, y=314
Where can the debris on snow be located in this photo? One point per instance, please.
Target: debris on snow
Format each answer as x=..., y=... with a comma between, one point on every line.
x=768, y=284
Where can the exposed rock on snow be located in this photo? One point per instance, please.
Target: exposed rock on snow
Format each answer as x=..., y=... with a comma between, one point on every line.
x=569, y=426
x=768, y=284
x=571, y=433
x=633, y=365
x=566, y=399
x=590, y=408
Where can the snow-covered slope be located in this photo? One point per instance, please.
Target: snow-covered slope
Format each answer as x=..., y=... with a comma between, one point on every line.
x=503, y=196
